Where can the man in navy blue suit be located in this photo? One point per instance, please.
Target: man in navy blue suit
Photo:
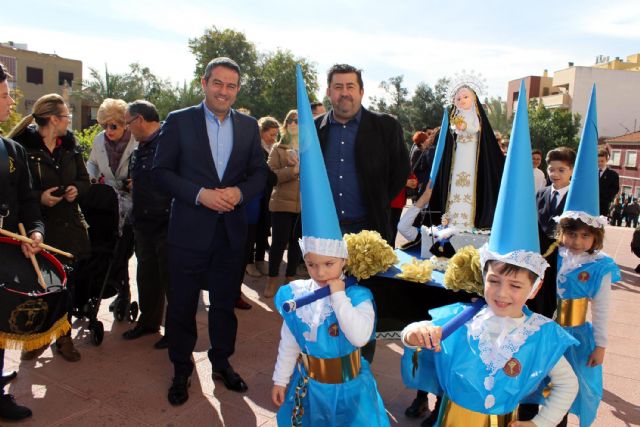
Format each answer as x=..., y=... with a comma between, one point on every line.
x=210, y=160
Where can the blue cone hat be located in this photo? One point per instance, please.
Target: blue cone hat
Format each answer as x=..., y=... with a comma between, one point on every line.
x=514, y=233
x=583, y=198
x=320, y=228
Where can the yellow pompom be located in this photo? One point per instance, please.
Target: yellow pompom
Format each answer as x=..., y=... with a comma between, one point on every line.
x=464, y=271
x=369, y=254
x=416, y=271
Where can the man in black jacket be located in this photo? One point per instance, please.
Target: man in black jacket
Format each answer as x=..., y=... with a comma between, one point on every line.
x=366, y=158
x=17, y=205
x=151, y=209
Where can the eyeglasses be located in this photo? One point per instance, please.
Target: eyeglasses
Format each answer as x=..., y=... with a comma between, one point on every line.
x=133, y=119
x=289, y=121
x=110, y=126
x=69, y=116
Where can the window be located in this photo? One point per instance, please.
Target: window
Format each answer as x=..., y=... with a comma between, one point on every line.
x=615, y=157
x=626, y=190
x=34, y=75
x=63, y=76
x=637, y=193
x=630, y=159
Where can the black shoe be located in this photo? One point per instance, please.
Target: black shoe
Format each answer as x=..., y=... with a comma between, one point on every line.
x=231, y=379
x=6, y=379
x=418, y=408
x=433, y=416
x=138, y=331
x=178, y=392
x=10, y=410
x=161, y=344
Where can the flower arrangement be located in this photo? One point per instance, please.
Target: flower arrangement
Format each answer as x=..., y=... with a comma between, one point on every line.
x=416, y=271
x=369, y=254
x=464, y=271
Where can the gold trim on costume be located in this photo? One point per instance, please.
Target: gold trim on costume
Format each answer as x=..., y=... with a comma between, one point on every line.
x=28, y=342
x=455, y=416
x=337, y=370
x=572, y=312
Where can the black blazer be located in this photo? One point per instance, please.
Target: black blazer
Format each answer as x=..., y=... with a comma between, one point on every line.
x=184, y=164
x=545, y=214
x=609, y=184
x=382, y=164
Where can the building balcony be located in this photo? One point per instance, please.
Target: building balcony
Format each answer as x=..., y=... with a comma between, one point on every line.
x=559, y=100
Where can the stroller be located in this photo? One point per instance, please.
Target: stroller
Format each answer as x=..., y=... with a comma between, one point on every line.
x=94, y=276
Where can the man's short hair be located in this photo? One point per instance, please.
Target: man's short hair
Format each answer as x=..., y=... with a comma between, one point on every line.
x=221, y=61
x=344, y=69
x=562, y=154
x=4, y=75
x=316, y=104
x=603, y=152
x=536, y=151
x=144, y=109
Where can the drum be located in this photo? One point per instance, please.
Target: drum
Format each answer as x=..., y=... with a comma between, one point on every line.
x=30, y=316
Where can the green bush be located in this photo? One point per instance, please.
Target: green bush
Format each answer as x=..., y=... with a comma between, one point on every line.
x=85, y=139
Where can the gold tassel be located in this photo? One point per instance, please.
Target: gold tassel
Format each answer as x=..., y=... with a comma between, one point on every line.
x=30, y=342
x=552, y=248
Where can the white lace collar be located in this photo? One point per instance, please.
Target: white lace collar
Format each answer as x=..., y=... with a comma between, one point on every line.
x=571, y=261
x=314, y=314
x=499, y=339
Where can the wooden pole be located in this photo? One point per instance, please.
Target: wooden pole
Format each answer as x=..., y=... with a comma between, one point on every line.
x=33, y=259
x=28, y=240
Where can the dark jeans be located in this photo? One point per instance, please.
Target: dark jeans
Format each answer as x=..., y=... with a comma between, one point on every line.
x=262, y=233
x=631, y=220
x=152, y=276
x=396, y=213
x=120, y=268
x=286, y=228
x=215, y=269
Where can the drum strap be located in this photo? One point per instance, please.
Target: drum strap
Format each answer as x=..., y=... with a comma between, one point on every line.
x=4, y=178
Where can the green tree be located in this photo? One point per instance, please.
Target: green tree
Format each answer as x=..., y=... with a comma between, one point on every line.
x=396, y=103
x=497, y=115
x=552, y=128
x=278, y=83
x=427, y=107
x=85, y=138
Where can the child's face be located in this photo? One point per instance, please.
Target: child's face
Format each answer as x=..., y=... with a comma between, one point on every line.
x=506, y=294
x=578, y=241
x=559, y=173
x=323, y=268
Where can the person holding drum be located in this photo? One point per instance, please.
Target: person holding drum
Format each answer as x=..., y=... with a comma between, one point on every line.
x=59, y=178
x=17, y=205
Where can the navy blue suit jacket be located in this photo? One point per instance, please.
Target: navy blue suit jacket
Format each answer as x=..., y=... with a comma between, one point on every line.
x=183, y=164
x=545, y=214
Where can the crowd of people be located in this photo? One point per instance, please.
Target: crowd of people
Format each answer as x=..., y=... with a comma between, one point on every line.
x=204, y=196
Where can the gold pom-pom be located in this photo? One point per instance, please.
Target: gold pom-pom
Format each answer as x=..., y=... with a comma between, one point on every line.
x=369, y=254
x=416, y=271
x=464, y=272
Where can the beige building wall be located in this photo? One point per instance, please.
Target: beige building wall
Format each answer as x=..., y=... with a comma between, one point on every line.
x=24, y=65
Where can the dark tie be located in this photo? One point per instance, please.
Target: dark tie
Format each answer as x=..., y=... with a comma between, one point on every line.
x=554, y=202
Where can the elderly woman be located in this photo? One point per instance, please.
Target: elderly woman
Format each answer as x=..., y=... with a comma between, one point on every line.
x=59, y=178
x=109, y=164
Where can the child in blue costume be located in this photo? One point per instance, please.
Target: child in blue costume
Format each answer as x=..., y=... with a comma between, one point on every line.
x=329, y=383
x=584, y=273
x=489, y=365
x=329, y=331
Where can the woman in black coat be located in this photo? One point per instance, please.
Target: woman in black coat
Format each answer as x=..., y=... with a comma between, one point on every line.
x=59, y=178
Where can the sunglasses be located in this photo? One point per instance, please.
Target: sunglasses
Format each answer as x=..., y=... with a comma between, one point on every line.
x=110, y=126
x=289, y=121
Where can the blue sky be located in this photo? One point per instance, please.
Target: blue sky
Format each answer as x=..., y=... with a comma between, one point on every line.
x=422, y=40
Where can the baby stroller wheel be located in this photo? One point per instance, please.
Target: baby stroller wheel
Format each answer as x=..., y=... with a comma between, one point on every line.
x=133, y=312
x=121, y=309
x=97, y=332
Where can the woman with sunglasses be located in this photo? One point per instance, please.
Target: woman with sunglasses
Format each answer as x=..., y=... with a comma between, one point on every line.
x=109, y=164
x=284, y=204
x=59, y=178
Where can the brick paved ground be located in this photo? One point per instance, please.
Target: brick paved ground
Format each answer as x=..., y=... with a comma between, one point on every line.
x=123, y=383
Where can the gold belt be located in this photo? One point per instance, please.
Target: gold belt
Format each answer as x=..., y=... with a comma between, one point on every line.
x=332, y=371
x=572, y=312
x=455, y=416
